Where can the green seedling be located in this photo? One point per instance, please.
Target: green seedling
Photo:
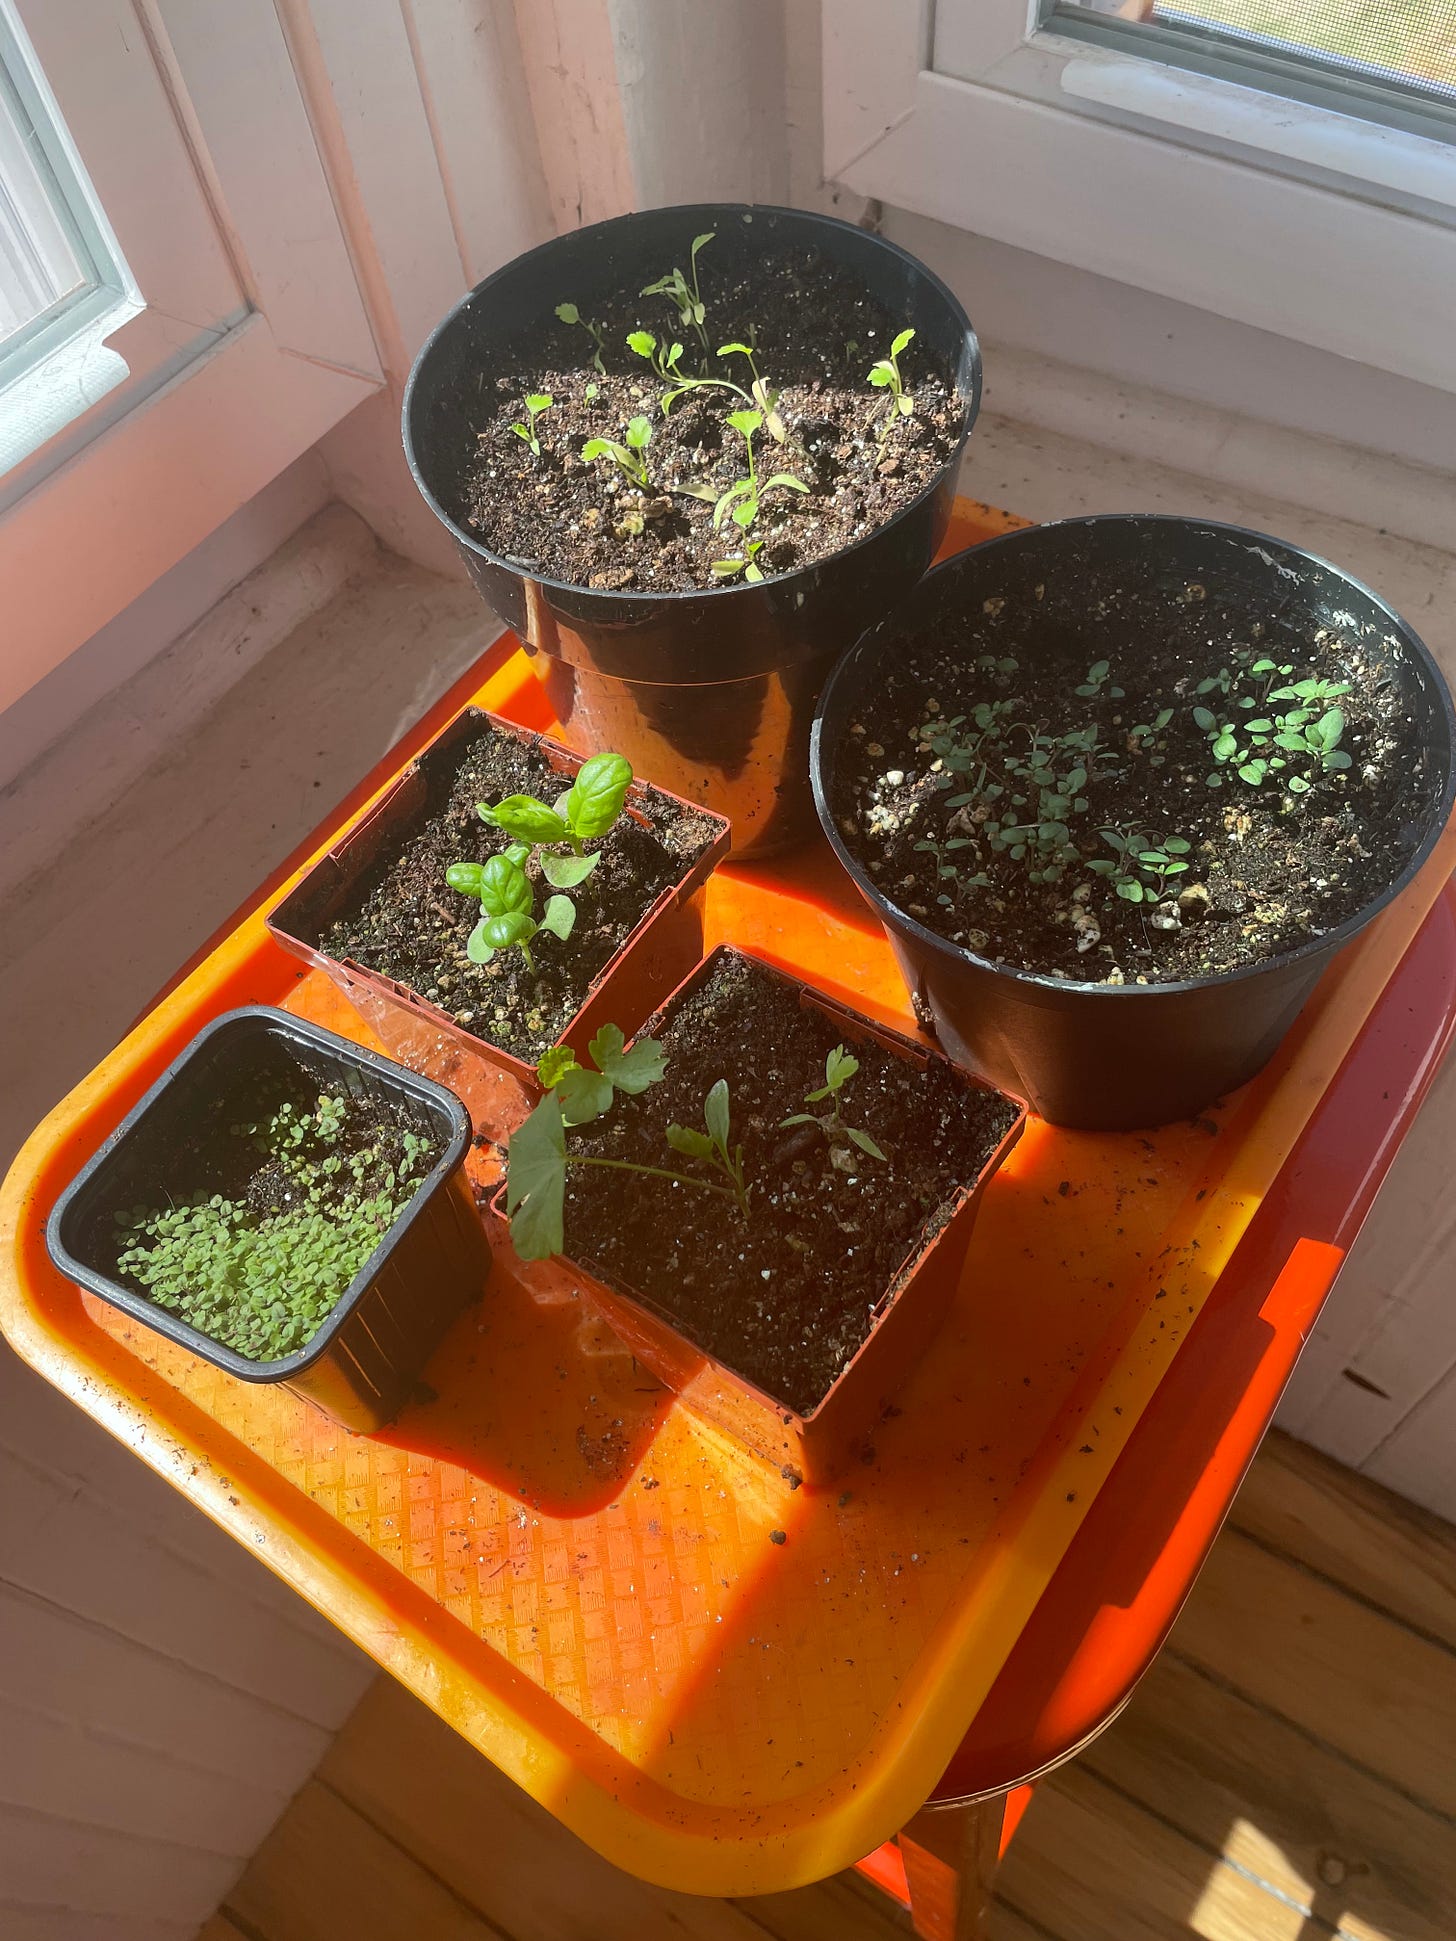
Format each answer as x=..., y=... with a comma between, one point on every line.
x=1265, y=747
x=839, y=1068
x=1097, y=675
x=260, y=1281
x=585, y=813
x=629, y=458
x=506, y=905
x=743, y=499
x=746, y=564
x=1141, y=871
x=666, y=361
x=685, y=295
x=537, y=1155
x=569, y=314
x=760, y=393
x=947, y=871
x=538, y=402
x=712, y=1146
x=885, y=376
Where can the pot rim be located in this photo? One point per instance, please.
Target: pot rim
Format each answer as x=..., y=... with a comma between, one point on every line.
x=1040, y=981
x=717, y=211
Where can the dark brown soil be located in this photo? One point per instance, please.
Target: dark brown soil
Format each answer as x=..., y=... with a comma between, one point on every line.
x=1266, y=869
x=404, y=923
x=786, y=1297
x=816, y=333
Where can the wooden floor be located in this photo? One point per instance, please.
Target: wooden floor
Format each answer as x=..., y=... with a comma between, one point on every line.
x=1286, y=1772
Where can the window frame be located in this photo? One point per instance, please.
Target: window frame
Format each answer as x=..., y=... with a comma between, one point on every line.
x=251, y=341
x=1240, y=202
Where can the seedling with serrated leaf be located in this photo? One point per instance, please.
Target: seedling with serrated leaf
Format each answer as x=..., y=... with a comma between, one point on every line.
x=630, y=458
x=538, y=402
x=886, y=376
x=712, y=1147
x=576, y=1094
x=506, y=906
x=569, y=314
x=685, y=294
x=839, y=1068
x=743, y=499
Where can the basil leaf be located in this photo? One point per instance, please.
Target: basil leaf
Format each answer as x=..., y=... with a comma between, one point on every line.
x=464, y=877
x=565, y=872
x=510, y=927
x=559, y=916
x=594, y=800
x=503, y=888
x=524, y=817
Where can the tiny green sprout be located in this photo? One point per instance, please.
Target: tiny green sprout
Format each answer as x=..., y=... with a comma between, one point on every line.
x=839, y=1068
x=760, y=392
x=591, y=390
x=538, y=402
x=576, y=1094
x=686, y=295
x=569, y=314
x=743, y=499
x=1143, y=870
x=746, y=564
x=506, y=900
x=628, y=458
x=712, y=1147
x=667, y=362
x=885, y=376
x=1096, y=679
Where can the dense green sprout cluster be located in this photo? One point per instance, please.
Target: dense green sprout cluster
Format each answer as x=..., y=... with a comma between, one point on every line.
x=263, y=1282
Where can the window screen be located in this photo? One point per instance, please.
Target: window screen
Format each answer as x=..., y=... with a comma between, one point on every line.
x=1407, y=47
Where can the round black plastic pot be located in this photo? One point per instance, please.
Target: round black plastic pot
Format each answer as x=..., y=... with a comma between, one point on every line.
x=710, y=692
x=363, y=1363
x=1112, y=1057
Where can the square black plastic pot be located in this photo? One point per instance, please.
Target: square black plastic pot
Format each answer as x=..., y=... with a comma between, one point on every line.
x=364, y=1361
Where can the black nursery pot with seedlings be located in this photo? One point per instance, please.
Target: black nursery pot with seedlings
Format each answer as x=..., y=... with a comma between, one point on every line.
x=473, y=928
x=687, y=455
x=768, y=1197
x=289, y=1207
x=1120, y=789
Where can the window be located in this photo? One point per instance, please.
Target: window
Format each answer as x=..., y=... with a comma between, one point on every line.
x=1287, y=163
x=1393, y=62
x=179, y=316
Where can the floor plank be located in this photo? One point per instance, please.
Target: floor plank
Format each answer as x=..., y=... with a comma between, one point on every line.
x=1386, y=1550
x=1240, y=1782
x=1283, y=1774
x=324, y=1870
x=1304, y=1649
x=1090, y=1865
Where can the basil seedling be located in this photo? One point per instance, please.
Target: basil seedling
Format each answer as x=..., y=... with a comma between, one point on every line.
x=506, y=920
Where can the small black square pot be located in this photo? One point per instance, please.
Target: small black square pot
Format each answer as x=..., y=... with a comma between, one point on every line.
x=362, y=1364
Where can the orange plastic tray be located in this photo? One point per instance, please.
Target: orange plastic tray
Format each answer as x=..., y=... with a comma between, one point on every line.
x=579, y=1576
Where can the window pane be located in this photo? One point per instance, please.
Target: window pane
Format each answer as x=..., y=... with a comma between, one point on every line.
x=1406, y=44
x=41, y=263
